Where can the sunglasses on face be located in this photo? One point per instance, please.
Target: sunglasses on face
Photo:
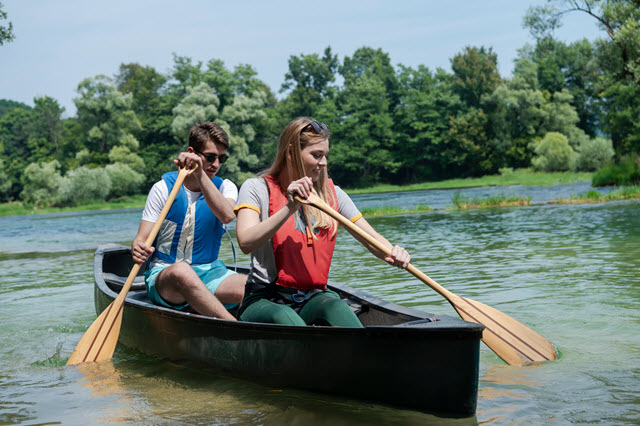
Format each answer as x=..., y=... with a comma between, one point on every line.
x=212, y=157
x=317, y=126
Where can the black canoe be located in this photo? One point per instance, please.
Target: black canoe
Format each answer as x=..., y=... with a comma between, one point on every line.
x=403, y=357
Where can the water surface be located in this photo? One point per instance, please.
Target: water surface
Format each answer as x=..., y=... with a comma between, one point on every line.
x=571, y=272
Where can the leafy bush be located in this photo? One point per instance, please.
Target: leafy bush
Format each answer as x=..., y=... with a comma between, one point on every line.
x=624, y=172
x=84, y=184
x=124, y=180
x=553, y=154
x=594, y=153
x=122, y=154
x=40, y=182
x=5, y=183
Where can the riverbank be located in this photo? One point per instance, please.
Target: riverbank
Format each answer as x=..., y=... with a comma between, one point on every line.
x=508, y=177
x=524, y=177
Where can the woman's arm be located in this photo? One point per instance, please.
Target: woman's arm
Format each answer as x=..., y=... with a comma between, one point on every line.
x=399, y=256
x=253, y=234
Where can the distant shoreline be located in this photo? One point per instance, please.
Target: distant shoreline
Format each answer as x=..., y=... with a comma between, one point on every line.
x=523, y=177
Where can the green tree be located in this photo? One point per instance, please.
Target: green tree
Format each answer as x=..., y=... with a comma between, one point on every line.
x=5, y=183
x=568, y=67
x=6, y=105
x=105, y=114
x=475, y=74
x=362, y=147
x=242, y=118
x=48, y=124
x=427, y=104
x=620, y=19
x=362, y=120
x=309, y=82
x=519, y=114
x=184, y=74
x=200, y=104
x=153, y=103
x=15, y=131
x=6, y=32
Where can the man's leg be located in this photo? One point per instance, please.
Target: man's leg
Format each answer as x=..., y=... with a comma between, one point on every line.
x=179, y=283
x=231, y=289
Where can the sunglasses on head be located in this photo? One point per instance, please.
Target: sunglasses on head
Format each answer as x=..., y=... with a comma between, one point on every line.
x=317, y=126
x=212, y=157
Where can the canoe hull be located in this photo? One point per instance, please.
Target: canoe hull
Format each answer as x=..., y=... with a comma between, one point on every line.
x=420, y=364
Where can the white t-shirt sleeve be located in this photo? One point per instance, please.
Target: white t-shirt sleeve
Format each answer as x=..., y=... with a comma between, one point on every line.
x=155, y=201
x=229, y=189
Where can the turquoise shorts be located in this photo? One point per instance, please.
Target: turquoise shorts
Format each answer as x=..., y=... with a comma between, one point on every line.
x=211, y=274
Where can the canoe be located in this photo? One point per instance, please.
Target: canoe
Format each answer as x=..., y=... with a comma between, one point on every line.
x=402, y=357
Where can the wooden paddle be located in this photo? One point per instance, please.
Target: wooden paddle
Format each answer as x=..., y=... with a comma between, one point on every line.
x=511, y=340
x=100, y=339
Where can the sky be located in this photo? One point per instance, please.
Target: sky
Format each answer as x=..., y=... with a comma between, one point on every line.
x=59, y=43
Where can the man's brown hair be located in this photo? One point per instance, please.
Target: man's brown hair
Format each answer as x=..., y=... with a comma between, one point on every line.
x=205, y=131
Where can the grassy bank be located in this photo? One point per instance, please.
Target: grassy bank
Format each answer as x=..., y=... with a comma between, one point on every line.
x=16, y=208
x=525, y=177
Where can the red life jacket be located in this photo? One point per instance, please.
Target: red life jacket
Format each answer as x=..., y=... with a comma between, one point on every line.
x=302, y=261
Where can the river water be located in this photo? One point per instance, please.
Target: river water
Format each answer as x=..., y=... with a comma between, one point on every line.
x=570, y=272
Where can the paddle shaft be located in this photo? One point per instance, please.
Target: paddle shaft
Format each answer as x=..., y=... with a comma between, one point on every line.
x=315, y=201
x=511, y=340
x=100, y=339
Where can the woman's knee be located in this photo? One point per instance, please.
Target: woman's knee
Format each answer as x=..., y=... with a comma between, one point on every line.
x=272, y=313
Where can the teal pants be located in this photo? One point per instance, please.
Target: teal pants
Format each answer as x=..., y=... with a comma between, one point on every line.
x=325, y=308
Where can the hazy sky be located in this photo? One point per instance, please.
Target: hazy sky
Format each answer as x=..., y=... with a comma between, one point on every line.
x=59, y=43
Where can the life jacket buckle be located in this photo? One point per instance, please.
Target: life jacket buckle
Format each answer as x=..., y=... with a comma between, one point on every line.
x=302, y=296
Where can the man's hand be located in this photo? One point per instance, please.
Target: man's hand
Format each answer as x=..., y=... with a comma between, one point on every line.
x=140, y=251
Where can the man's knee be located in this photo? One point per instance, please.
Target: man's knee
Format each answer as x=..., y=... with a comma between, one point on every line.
x=179, y=276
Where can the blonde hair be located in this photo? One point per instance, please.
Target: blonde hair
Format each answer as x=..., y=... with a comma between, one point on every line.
x=293, y=140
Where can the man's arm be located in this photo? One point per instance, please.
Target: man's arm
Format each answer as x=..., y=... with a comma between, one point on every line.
x=139, y=249
x=220, y=206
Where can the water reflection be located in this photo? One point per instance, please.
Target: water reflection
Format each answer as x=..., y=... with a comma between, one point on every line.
x=571, y=273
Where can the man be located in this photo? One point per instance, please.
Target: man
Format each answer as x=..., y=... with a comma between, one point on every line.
x=185, y=270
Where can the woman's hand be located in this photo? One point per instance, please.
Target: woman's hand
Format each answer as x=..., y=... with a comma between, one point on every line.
x=302, y=187
x=399, y=257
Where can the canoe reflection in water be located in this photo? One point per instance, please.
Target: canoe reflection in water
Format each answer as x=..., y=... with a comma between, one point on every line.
x=402, y=357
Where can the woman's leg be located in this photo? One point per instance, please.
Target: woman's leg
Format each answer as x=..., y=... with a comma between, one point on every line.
x=327, y=308
x=269, y=312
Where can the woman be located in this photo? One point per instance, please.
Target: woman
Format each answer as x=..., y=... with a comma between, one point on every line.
x=291, y=244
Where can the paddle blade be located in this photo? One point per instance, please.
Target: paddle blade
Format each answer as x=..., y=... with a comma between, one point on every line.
x=511, y=340
x=99, y=341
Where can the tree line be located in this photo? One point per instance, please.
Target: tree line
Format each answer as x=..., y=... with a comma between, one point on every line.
x=567, y=107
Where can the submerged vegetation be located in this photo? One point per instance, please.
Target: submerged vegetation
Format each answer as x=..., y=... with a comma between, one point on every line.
x=593, y=196
x=463, y=203
x=394, y=211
